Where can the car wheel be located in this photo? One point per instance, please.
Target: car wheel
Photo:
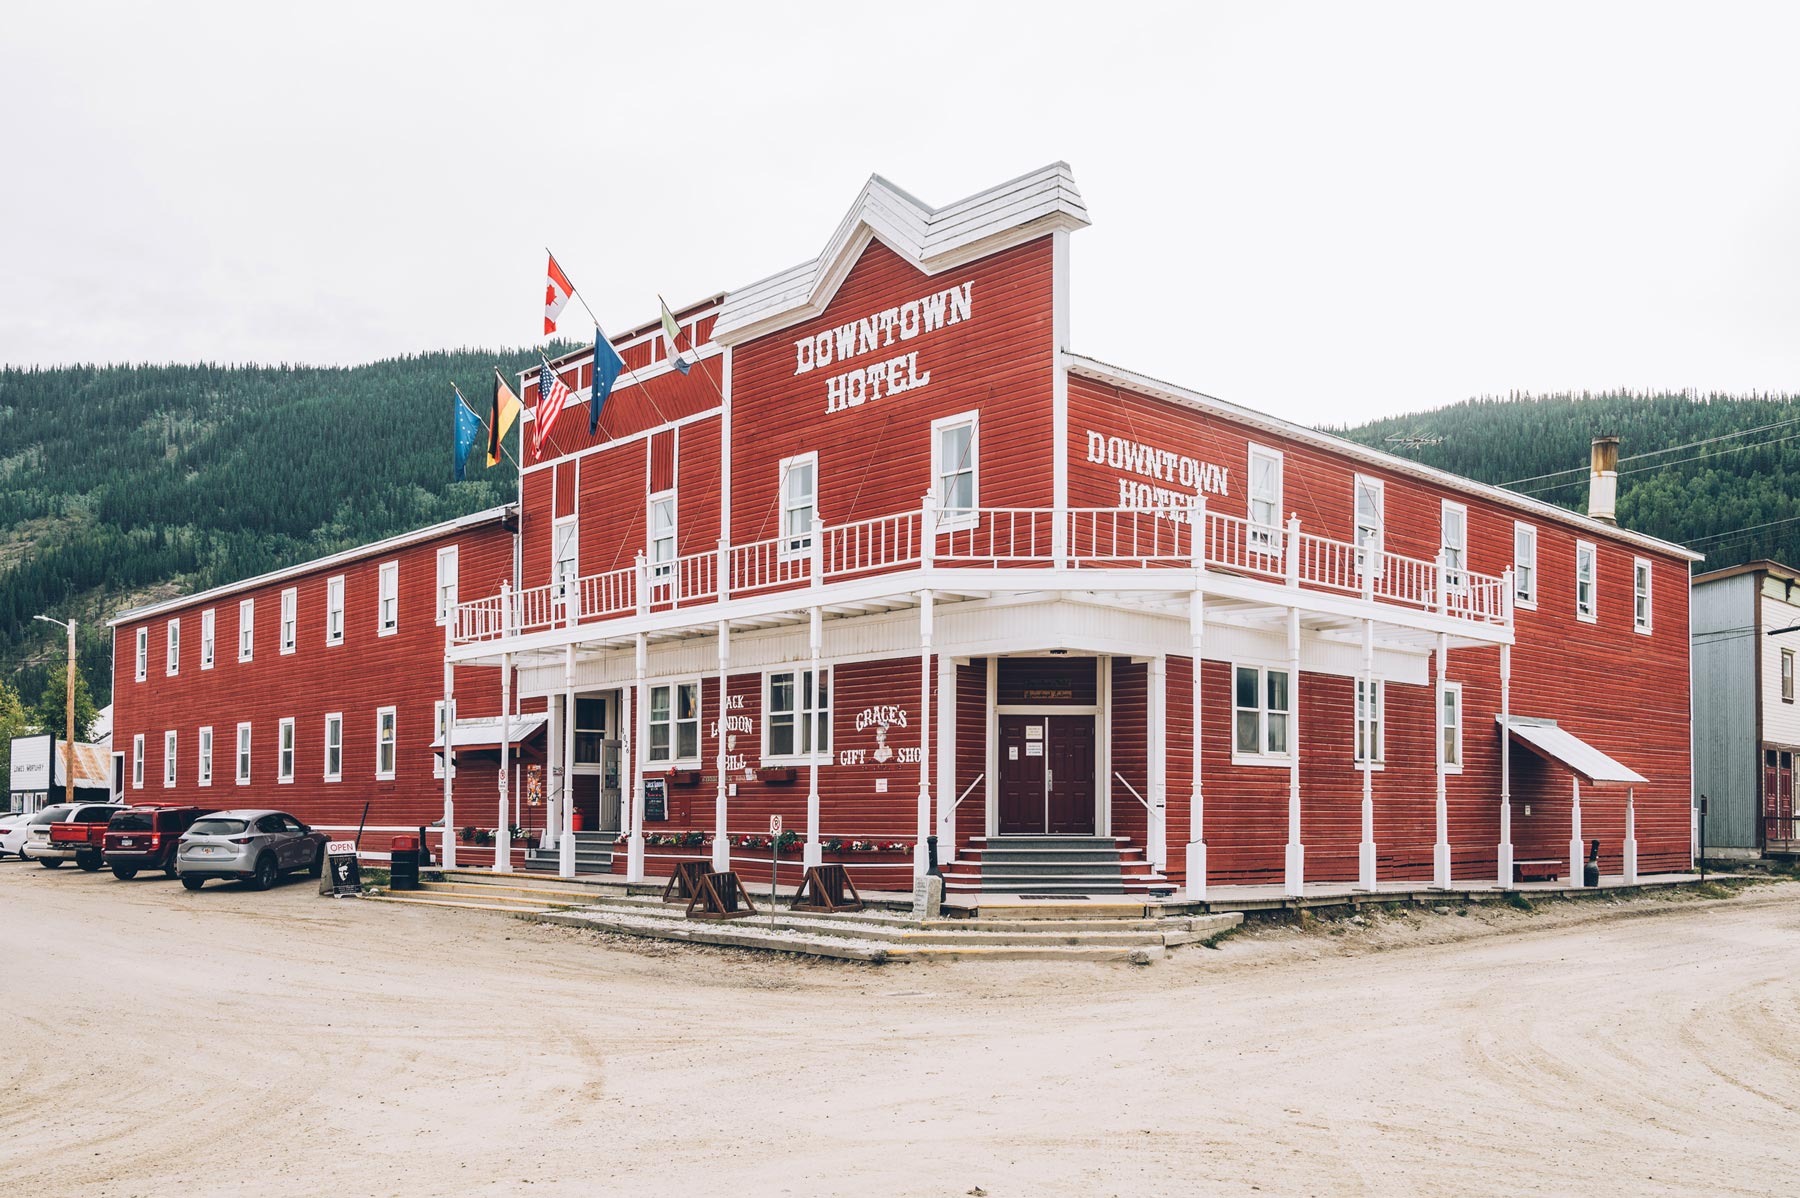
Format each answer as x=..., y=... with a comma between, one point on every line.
x=89, y=862
x=169, y=870
x=50, y=862
x=192, y=883
x=266, y=872
x=124, y=872
x=317, y=868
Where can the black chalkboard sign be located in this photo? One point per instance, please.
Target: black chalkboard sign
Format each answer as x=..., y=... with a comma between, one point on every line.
x=346, y=870
x=656, y=800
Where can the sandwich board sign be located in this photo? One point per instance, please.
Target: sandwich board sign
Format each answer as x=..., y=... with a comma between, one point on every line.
x=346, y=871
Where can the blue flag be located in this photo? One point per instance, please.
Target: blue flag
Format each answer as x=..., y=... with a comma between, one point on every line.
x=607, y=365
x=467, y=432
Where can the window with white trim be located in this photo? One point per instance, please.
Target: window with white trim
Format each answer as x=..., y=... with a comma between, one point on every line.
x=956, y=470
x=143, y=654
x=204, y=765
x=384, y=743
x=1265, y=499
x=243, y=754
x=246, y=628
x=675, y=723
x=169, y=751
x=799, y=503
x=1640, y=594
x=1524, y=565
x=387, y=612
x=284, y=751
x=1371, y=731
x=290, y=619
x=334, y=746
x=1262, y=703
x=565, y=550
x=334, y=610
x=437, y=723
x=173, y=665
x=1453, y=543
x=661, y=549
x=137, y=762
x=208, y=639
x=446, y=583
x=1585, y=606
x=1787, y=675
x=1450, y=722
x=1370, y=499
x=797, y=723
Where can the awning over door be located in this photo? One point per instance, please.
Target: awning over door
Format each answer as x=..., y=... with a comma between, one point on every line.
x=1552, y=743
x=480, y=735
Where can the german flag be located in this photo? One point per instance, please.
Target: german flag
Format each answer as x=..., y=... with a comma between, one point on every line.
x=501, y=415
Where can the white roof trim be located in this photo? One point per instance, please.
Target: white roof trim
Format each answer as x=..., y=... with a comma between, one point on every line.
x=1559, y=744
x=342, y=557
x=1106, y=372
x=934, y=239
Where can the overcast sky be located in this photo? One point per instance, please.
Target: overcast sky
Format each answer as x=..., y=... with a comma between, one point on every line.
x=1328, y=211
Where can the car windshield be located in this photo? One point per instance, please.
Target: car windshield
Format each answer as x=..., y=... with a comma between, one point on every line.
x=132, y=821
x=51, y=815
x=217, y=827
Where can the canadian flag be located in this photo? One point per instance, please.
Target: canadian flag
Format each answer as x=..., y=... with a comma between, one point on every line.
x=557, y=291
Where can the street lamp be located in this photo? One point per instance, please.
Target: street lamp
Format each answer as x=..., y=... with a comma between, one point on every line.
x=69, y=726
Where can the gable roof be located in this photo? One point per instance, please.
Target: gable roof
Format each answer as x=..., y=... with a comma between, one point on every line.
x=933, y=239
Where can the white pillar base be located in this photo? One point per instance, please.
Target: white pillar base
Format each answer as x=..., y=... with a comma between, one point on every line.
x=1504, y=866
x=1365, y=865
x=503, y=853
x=1294, y=880
x=721, y=855
x=634, y=858
x=812, y=853
x=946, y=834
x=1631, y=868
x=1196, y=869
x=1576, y=863
x=565, y=858
x=1440, y=866
x=449, y=853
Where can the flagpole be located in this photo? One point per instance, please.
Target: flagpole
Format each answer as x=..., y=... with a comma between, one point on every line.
x=630, y=373
x=464, y=400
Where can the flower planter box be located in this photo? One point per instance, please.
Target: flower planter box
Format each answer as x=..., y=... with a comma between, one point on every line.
x=779, y=775
x=684, y=777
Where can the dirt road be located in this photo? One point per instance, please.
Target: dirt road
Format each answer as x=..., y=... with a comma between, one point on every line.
x=228, y=1043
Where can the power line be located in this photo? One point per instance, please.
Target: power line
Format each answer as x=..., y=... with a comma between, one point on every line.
x=1651, y=453
x=1699, y=457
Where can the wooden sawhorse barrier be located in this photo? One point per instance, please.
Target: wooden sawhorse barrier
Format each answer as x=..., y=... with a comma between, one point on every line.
x=720, y=896
x=684, y=883
x=824, y=889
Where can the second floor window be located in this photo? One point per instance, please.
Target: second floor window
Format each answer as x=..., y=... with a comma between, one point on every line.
x=799, y=503
x=290, y=604
x=675, y=722
x=207, y=639
x=388, y=610
x=1370, y=499
x=662, y=535
x=143, y=654
x=1525, y=565
x=205, y=763
x=1454, y=526
x=446, y=584
x=174, y=662
x=1640, y=595
x=246, y=628
x=955, y=452
x=334, y=611
x=1787, y=675
x=1265, y=499
x=564, y=550
x=1584, y=582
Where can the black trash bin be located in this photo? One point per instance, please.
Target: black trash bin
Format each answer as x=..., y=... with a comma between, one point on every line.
x=1590, y=872
x=403, y=868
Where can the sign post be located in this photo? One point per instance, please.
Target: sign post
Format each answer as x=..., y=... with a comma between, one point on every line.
x=774, y=860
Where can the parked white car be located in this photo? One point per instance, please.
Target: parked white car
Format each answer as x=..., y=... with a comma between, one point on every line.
x=14, y=826
x=34, y=828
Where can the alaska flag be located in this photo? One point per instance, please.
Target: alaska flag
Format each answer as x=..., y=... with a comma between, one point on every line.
x=468, y=429
x=607, y=365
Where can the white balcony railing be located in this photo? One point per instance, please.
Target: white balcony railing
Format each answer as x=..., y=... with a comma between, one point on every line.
x=1125, y=539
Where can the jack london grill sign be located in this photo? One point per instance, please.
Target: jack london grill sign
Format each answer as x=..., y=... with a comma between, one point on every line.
x=1173, y=478
x=879, y=333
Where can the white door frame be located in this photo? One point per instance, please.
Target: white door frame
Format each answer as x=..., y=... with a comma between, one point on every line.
x=1102, y=716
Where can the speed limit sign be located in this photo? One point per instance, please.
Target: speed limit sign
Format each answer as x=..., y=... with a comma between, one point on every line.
x=774, y=825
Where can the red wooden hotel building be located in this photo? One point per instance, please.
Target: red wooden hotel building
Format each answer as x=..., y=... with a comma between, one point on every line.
x=893, y=562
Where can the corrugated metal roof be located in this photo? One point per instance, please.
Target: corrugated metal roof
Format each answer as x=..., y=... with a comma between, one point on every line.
x=93, y=766
x=484, y=731
x=1544, y=738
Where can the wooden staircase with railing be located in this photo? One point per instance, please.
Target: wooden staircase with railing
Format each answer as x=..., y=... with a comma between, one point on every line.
x=1051, y=865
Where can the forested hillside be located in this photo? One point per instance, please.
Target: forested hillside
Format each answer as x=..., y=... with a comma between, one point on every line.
x=120, y=484
x=1719, y=473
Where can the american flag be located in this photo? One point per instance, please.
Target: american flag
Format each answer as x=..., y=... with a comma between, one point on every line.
x=549, y=407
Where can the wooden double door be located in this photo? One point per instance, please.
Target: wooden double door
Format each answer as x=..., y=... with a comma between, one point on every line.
x=1046, y=775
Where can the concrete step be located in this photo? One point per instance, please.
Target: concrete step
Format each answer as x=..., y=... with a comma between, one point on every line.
x=418, y=899
x=504, y=894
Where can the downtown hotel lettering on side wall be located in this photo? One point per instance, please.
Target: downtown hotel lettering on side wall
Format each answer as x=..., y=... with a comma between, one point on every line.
x=878, y=331
x=1181, y=476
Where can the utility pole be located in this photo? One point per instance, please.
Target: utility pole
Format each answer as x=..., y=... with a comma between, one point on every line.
x=69, y=717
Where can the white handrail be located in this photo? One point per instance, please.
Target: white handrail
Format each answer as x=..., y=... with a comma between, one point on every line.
x=965, y=793
x=1131, y=788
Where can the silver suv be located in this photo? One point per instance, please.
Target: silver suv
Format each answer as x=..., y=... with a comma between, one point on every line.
x=253, y=846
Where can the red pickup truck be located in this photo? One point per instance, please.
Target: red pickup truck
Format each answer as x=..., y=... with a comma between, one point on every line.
x=81, y=836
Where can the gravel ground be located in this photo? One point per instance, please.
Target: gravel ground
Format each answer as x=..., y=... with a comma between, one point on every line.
x=229, y=1042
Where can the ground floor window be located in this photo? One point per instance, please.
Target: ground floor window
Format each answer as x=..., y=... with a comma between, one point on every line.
x=1371, y=742
x=243, y=754
x=384, y=743
x=1262, y=704
x=205, y=776
x=675, y=722
x=1450, y=726
x=284, y=760
x=799, y=714
x=168, y=759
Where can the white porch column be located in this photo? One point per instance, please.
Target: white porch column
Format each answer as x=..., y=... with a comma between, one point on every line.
x=1505, y=854
x=1365, y=850
x=565, y=856
x=640, y=715
x=1440, y=851
x=1156, y=712
x=1196, y=845
x=811, y=853
x=946, y=759
x=553, y=734
x=503, y=830
x=1631, y=874
x=721, y=846
x=449, y=853
x=925, y=632
x=1295, y=873
x=1576, y=856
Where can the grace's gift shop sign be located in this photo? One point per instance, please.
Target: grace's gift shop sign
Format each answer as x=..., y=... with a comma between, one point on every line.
x=877, y=334
x=1166, y=481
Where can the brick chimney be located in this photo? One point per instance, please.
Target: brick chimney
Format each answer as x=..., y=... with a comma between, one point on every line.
x=1603, y=480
